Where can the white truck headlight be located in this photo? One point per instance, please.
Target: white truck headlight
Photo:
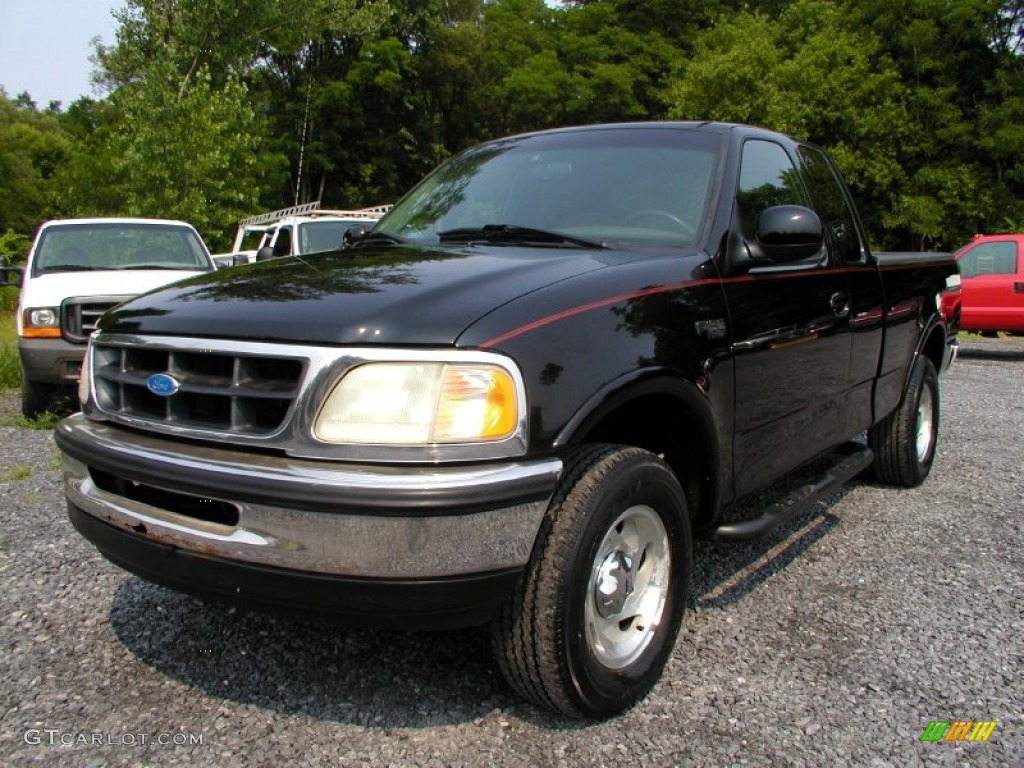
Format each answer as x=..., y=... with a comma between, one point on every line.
x=41, y=322
x=420, y=403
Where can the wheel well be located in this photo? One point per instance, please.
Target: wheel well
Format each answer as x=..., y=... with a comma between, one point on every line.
x=934, y=347
x=667, y=426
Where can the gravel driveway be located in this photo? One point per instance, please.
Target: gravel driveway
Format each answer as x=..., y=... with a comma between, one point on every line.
x=834, y=642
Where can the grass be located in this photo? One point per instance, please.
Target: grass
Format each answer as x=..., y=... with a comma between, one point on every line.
x=45, y=420
x=10, y=367
x=19, y=472
x=8, y=298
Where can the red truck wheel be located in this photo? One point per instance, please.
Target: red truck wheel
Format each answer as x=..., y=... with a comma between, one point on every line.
x=595, y=619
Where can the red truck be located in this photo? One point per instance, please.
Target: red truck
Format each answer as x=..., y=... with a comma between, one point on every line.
x=992, y=284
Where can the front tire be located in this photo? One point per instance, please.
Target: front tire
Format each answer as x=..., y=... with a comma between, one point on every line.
x=36, y=398
x=904, y=441
x=591, y=626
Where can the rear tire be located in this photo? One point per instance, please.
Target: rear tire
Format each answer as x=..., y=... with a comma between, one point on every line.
x=904, y=441
x=593, y=622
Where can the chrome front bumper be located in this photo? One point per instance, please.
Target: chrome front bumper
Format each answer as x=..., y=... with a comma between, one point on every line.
x=317, y=518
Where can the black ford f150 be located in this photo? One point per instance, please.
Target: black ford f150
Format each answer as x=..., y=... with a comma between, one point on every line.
x=514, y=399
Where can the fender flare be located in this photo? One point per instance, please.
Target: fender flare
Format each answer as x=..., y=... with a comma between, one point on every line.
x=660, y=381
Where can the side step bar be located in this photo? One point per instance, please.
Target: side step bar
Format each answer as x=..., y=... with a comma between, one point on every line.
x=853, y=459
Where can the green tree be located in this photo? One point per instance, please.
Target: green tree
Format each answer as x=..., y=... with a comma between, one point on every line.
x=183, y=135
x=33, y=150
x=961, y=69
x=807, y=74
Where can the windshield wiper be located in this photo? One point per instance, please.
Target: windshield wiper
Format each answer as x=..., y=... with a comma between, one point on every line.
x=156, y=266
x=378, y=237
x=69, y=268
x=512, y=233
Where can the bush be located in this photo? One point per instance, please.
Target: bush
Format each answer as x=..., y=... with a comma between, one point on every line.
x=13, y=247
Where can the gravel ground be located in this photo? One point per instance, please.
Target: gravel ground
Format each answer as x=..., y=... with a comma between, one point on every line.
x=834, y=642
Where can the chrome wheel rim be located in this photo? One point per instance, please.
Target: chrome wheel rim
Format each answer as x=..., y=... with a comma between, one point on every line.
x=628, y=587
x=925, y=425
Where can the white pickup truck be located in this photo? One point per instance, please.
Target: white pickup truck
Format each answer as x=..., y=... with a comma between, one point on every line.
x=76, y=270
x=298, y=230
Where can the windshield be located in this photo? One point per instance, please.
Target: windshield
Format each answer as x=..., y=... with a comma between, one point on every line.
x=637, y=185
x=110, y=245
x=323, y=235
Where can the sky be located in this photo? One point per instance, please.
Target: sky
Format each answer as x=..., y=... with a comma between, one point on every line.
x=44, y=46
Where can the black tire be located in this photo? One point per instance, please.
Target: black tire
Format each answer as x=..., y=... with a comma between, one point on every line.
x=562, y=643
x=904, y=442
x=35, y=397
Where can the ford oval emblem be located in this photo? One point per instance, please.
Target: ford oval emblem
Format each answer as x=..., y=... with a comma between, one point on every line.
x=162, y=384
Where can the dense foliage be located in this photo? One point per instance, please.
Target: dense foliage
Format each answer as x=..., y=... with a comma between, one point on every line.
x=216, y=109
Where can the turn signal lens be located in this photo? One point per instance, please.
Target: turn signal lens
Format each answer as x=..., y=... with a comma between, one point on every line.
x=476, y=403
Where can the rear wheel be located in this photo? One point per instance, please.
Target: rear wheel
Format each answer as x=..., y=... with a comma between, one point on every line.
x=591, y=626
x=904, y=441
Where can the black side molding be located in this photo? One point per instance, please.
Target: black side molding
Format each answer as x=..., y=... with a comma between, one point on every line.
x=852, y=459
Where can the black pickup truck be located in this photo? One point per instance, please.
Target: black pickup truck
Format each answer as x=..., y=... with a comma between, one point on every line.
x=517, y=397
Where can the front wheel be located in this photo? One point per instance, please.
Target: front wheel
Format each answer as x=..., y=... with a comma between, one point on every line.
x=591, y=626
x=36, y=398
x=904, y=441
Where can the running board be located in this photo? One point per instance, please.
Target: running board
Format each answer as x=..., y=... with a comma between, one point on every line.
x=855, y=458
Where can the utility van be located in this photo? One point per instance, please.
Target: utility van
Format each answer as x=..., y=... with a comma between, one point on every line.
x=76, y=270
x=295, y=231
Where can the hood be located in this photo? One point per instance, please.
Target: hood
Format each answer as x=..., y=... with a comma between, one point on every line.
x=386, y=295
x=49, y=290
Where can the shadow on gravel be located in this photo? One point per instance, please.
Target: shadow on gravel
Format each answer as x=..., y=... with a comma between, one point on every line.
x=724, y=574
x=310, y=667
x=374, y=679
x=1006, y=352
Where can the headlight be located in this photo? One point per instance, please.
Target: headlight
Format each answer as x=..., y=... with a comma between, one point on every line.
x=41, y=322
x=419, y=403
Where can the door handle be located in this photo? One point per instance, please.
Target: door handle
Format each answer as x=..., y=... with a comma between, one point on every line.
x=1018, y=287
x=839, y=304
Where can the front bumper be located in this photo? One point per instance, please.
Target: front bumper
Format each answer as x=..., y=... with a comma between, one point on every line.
x=51, y=361
x=392, y=546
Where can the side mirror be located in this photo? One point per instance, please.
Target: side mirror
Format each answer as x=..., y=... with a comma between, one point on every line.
x=787, y=233
x=239, y=259
x=11, y=276
x=356, y=232
x=265, y=253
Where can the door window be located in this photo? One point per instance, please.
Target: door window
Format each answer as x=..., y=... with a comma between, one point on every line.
x=831, y=205
x=283, y=244
x=998, y=258
x=767, y=177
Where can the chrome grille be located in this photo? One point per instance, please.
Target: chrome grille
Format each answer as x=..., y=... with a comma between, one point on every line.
x=78, y=317
x=219, y=390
